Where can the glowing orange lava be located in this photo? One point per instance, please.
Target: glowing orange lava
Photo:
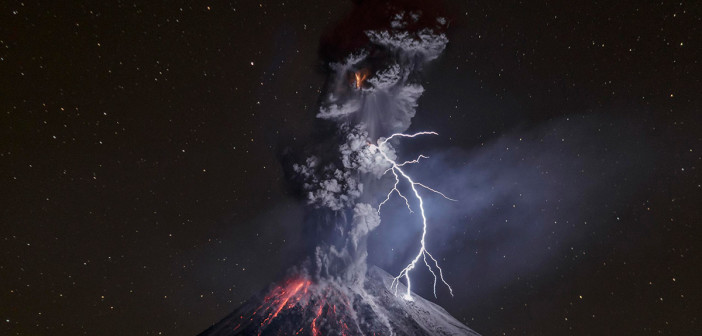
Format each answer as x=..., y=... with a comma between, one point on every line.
x=281, y=298
x=315, y=330
x=296, y=295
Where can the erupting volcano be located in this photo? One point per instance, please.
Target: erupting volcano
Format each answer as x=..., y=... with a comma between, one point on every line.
x=301, y=307
x=346, y=182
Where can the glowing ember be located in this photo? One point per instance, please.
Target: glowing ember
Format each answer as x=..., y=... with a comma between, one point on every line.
x=360, y=76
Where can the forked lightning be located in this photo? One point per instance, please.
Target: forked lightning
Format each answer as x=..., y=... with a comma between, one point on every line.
x=397, y=171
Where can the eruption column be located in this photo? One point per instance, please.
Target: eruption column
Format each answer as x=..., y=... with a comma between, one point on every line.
x=423, y=253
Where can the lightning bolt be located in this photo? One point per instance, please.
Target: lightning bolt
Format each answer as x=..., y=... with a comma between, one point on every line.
x=397, y=172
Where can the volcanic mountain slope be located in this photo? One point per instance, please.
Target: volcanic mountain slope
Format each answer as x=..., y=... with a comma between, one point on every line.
x=302, y=307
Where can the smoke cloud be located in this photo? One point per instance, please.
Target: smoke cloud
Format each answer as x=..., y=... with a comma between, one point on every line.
x=374, y=61
x=372, y=92
x=526, y=198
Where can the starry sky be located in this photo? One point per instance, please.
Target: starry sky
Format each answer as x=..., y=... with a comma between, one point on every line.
x=144, y=192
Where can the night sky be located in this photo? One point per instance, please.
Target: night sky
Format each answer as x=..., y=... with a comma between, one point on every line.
x=143, y=151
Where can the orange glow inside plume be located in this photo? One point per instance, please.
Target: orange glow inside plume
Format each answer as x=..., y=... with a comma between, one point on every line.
x=360, y=76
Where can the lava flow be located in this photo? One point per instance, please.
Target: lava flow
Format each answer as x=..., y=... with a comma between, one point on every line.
x=295, y=299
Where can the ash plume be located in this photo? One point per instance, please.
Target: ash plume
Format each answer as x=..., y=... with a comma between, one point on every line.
x=372, y=92
x=374, y=60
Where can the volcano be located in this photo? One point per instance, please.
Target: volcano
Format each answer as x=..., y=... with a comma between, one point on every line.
x=301, y=306
x=371, y=96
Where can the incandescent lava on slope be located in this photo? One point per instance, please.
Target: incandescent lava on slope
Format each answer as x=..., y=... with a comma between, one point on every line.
x=301, y=307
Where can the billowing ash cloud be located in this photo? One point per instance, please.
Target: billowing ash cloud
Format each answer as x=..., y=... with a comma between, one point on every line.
x=371, y=93
x=374, y=65
x=386, y=101
x=365, y=219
